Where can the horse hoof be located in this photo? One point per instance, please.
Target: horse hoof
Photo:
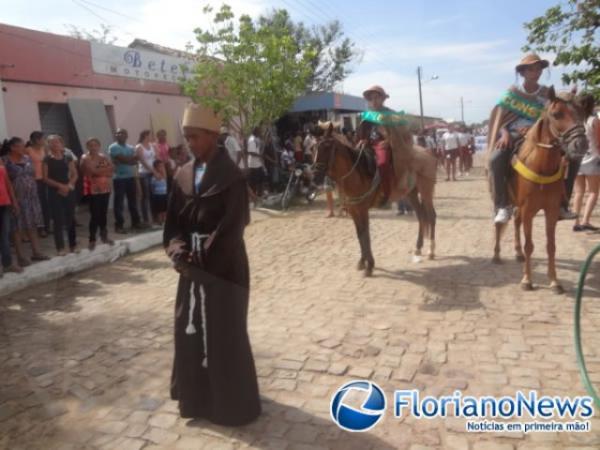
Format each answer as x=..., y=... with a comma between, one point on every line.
x=520, y=258
x=431, y=257
x=368, y=273
x=558, y=289
x=527, y=286
x=361, y=265
x=496, y=260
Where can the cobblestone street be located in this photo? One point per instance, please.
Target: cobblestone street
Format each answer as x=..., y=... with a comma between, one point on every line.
x=86, y=360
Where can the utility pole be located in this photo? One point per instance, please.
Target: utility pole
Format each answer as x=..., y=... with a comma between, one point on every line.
x=462, y=110
x=420, y=98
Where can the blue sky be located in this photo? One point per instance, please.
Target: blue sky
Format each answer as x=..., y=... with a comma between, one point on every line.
x=472, y=46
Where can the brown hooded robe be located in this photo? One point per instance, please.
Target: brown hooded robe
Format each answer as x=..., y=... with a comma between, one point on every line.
x=214, y=376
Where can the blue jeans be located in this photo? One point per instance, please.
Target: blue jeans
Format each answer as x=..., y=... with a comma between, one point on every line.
x=125, y=187
x=5, y=236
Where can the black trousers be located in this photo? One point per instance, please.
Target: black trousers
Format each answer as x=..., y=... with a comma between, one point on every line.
x=63, y=216
x=98, y=211
x=42, y=190
x=125, y=187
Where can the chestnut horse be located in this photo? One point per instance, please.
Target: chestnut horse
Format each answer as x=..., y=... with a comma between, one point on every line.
x=360, y=189
x=538, y=181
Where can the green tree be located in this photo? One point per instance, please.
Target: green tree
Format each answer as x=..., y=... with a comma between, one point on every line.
x=103, y=35
x=333, y=52
x=570, y=31
x=249, y=72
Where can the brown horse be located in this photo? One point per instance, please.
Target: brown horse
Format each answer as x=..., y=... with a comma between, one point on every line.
x=360, y=189
x=538, y=182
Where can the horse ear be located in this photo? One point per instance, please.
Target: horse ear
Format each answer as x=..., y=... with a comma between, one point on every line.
x=551, y=94
x=329, y=130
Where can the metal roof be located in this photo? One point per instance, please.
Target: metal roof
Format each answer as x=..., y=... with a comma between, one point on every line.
x=329, y=101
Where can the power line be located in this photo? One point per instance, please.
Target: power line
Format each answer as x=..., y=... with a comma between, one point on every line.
x=376, y=59
x=111, y=11
x=124, y=16
x=103, y=20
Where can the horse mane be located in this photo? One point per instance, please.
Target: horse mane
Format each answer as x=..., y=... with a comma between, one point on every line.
x=532, y=138
x=400, y=139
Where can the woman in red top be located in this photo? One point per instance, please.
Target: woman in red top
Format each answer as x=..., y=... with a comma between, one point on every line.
x=8, y=204
x=98, y=168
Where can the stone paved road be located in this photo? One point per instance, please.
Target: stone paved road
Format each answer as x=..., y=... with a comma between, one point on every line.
x=86, y=360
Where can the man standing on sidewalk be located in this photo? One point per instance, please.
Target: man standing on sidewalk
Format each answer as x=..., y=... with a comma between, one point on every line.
x=124, y=159
x=255, y=163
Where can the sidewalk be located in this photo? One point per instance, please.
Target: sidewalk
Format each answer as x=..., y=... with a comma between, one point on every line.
x=60, y=266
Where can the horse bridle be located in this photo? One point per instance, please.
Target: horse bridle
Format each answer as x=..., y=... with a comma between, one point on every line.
x=560, y=140
x=320, y=166
x=331, y=159
x=348, y=200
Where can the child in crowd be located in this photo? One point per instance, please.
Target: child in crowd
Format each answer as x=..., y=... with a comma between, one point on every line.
x=287, y=159
x=159, y=191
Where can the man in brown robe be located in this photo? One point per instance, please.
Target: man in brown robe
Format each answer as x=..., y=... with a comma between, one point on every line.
x=214, y=376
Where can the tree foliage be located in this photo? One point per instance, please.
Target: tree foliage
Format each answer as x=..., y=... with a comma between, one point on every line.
x=103, y=35
x=333, y=52
x=570, y=31
x=248, y=71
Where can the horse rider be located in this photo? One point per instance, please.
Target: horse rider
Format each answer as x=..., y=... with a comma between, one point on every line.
x=518, y=110
x=373, y=136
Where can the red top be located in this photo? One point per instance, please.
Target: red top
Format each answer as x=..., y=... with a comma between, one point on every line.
x=163, y=151
x=4, y=197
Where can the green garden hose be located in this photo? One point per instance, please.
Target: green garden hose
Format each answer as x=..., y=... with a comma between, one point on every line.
x=580, y=359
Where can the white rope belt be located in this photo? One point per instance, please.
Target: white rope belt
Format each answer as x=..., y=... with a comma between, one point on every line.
x=191, y=329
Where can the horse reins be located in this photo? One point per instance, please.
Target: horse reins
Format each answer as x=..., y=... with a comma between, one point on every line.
x=374, y=184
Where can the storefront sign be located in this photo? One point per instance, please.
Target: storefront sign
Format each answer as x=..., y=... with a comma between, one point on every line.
x=140, y=64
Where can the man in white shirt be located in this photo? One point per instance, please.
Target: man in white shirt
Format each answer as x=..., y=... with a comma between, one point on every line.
x=309, y=142
x=233, y=148
x=255, y=162
x=451, y=145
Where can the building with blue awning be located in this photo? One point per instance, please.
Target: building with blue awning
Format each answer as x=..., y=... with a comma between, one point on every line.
x=334, y=106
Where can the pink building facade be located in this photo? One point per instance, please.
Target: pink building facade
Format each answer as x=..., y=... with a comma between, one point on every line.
x=69, y=86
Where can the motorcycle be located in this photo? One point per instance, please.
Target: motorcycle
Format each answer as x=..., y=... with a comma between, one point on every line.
x=299, y=183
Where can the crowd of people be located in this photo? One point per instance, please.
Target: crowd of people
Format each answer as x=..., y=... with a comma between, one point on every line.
x=43, y=183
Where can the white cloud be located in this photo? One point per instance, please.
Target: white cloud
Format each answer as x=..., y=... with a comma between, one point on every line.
x=440, y=98
x=467, y=52
x=171, y=22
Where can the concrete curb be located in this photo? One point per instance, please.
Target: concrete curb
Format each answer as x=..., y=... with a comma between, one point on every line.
x=58, y=267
